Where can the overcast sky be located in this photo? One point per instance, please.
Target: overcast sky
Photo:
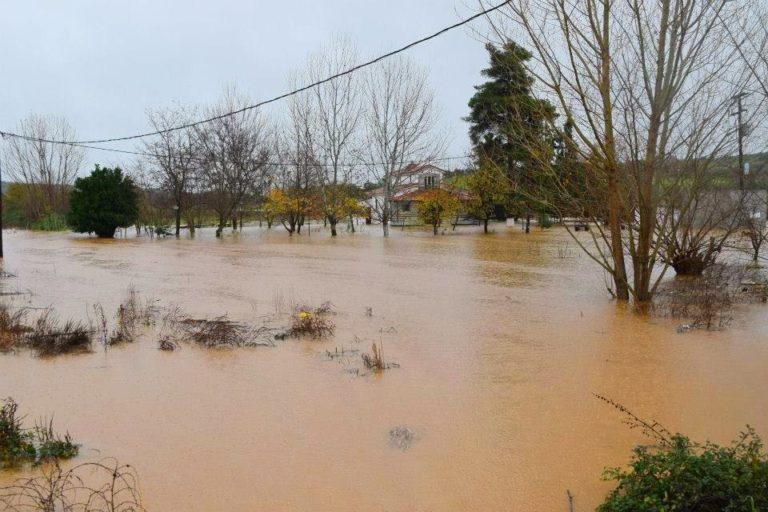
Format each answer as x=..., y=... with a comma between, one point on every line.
x=100, y=64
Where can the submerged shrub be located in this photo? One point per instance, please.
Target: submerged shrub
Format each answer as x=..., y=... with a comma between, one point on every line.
x=48, y=337
x=313, y=322
x=40, y=444
x=12, y=327
x=50, y=446
x=376, y=360
x=132, y=314
x=707, y=301
x=16, y=445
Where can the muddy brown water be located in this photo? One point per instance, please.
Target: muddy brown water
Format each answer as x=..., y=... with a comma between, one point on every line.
x=502, y=340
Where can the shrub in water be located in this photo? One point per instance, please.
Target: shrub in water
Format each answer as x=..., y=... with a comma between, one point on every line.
x=15, y=443
x=19, y=445
x=680, y=475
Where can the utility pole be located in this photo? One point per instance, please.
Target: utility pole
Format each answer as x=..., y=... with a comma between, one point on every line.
x=740, y=134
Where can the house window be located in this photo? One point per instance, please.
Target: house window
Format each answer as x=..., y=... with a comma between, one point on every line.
x=429, y=181
x=407, y=206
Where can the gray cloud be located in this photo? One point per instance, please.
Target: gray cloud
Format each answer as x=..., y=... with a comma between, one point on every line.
x=101, y=64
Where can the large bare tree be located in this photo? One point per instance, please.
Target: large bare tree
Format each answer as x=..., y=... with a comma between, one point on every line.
x=235, y=153
x=174, y=158
x=400, y=126
x=334, y=118
x=46, y=170
x=642, y=84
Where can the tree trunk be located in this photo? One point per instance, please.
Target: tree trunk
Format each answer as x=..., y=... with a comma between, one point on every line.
x=485, y=226
x=333, y=222
x=222, y=225
x=527, y=223
x=614, y=226
x=385, y=223
x=434, y=228
x=178, y=220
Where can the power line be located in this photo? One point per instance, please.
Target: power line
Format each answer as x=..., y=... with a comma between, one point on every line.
x=202, y=160
x=287, y=94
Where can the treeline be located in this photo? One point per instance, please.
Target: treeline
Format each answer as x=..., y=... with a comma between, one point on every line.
x=305, y=162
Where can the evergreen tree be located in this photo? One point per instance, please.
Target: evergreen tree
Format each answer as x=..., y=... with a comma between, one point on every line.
x=102, y=202
x=509, y=126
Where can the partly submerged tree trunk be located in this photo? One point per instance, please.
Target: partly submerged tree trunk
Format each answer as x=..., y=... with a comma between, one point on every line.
x=617, y=247
x=222, y=225
x=385, y=222
x=333, y=221
x=178, y=220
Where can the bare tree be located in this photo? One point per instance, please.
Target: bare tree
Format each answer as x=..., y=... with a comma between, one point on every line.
x=46, y=170
x=400, y=121
x=235, y=153
x=296, y=176
x=334, y=117
x=642, y=83
x=174, y=157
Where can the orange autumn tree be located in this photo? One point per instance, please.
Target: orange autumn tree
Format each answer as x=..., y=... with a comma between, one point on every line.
x=436, y=205
x=292, y=209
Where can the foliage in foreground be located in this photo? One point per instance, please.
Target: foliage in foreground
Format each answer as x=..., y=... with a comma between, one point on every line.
x=677, y=474
x=40, y=444
x=103, y=202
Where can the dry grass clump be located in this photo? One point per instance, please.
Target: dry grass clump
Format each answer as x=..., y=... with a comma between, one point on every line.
x=313, y=322
x=219, y=332
x=116, y=489
x=375, y=360
x=167, y=344
x=12, y=327
x=132, y=314
x=707, y=301
x=49, y=337
x=216, y=333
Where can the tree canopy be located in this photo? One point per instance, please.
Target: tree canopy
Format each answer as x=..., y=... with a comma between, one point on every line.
x=102, y=202
x=509, y=125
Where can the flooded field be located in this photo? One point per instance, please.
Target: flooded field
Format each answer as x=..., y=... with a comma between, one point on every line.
x=501, y=339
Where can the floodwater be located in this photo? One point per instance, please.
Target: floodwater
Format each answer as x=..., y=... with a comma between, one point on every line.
x=501, y=339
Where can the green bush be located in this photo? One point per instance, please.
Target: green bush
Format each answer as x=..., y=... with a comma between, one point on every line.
x=676, y=474
x=103, y=202
x=51, y=222
x=40, y=444
x=15, y=443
